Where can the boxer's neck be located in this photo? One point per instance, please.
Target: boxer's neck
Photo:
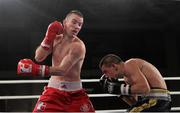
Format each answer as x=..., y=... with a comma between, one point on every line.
x=68, y=38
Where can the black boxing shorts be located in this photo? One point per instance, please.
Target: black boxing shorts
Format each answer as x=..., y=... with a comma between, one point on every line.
x=158, y=100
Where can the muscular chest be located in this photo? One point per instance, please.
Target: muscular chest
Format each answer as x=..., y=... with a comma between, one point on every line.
x=60, y=50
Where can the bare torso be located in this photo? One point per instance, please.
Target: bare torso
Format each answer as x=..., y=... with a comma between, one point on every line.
x=151, y=74
x=61, y=48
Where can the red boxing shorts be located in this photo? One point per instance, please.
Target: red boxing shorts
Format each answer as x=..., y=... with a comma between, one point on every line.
x=61, y=98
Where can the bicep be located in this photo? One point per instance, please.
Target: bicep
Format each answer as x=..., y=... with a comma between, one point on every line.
x=140, y=83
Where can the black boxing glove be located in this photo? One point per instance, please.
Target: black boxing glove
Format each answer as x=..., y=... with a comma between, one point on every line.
x=115, y=87
x=102, y=81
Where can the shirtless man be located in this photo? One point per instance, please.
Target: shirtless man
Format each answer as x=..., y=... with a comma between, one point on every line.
x=144, y=88
x=64, y=92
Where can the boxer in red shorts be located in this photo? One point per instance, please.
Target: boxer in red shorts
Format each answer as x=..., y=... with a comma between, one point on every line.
x=64, y=92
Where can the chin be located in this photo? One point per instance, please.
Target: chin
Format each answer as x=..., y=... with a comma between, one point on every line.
x=73, y=34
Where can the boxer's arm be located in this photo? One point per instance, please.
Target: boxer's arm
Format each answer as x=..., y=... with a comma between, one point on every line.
x=28, y=67
x=130, y=100
x=41, y=53
x=76, y=53
x=54, y=29
x=140, y=84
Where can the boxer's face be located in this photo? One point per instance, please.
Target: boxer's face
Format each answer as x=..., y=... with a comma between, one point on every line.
x=111, y=71
x=73, y=24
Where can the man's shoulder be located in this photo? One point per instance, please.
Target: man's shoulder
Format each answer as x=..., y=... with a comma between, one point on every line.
x=135, y=62
x=78, y=45
x=78, y=42
x=78, y=39
x=131, y=60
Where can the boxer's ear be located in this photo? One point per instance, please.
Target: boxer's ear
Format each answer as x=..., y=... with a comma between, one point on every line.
x=114, y=65
x=64, y=21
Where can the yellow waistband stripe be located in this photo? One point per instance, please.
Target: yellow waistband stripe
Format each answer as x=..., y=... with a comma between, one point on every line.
x=150, y=103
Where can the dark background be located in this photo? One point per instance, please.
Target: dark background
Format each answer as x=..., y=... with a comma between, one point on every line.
x=147, y=29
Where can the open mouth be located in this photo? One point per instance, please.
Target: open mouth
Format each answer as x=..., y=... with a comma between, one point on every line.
x=74, y=31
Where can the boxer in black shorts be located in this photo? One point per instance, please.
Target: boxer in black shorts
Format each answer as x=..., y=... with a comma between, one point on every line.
x=144, y=89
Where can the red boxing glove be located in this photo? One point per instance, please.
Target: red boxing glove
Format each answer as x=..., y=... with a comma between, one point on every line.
x=28, y=67
x=54, y=29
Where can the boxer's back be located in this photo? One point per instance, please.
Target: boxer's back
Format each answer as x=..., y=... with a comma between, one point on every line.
x=152, y=74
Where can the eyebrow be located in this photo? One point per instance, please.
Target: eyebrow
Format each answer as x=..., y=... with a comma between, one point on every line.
x=74, y=19
x=77, y=21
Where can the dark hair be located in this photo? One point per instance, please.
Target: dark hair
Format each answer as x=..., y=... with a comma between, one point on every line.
x=109, y=59
x=77, y=12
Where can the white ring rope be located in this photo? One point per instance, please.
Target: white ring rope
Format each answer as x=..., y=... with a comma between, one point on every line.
x=37, y=96
x=90, y=95
x=124, y=110
x=46, y=81
x=83, y=80
x=111, y=111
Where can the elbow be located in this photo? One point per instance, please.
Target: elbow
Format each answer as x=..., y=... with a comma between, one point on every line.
x=146, y=89
x=38, y=58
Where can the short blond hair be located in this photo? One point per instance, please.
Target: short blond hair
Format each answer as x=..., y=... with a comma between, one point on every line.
x=77, y=12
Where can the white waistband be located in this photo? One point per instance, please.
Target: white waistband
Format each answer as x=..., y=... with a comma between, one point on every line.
x=158, y=94
x=65, y=86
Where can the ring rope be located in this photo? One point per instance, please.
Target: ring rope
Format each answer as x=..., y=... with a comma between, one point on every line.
x=83, y=80
x=124, y=110
x=90, y=95
x=37, y=96
x=46, y=81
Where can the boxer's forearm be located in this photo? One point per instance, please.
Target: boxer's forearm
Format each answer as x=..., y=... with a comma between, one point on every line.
x=128, y=99
x=55, y=70
x=41, y=54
